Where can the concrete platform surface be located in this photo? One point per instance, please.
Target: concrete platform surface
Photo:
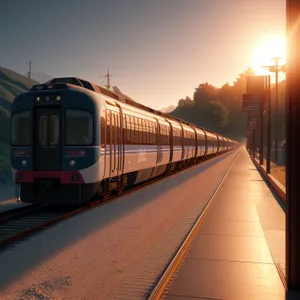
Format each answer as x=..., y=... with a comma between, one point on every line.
x=239, y=243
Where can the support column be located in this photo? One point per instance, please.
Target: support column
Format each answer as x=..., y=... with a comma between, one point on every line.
x=268, y=99
x=261, y=137
x=253, y=144
x=292, y=146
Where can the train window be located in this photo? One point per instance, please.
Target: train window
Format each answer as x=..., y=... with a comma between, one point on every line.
x=124, y=130
x=43, y=130
x=102, y=132
x=149, y=132
x=20, y=128
x=113, y=125
x=136, y=127
x=79, y=127
x=87, y=85
x=155, y=134
x=143, y=132
x=128, y=132
x=167, y=135
x=140, y=131
x=118, y=130
x=128, y=124
x=145, y=138
x=108, y=131
x=131, y=129
x=54, y=130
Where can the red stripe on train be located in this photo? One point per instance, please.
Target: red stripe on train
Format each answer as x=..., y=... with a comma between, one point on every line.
x=66, y=177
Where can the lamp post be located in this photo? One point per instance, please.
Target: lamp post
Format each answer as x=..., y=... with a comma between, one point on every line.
x=276, y=68
x=276, y=60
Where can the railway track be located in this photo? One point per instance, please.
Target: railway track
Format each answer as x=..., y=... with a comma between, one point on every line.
x=16, y=212
x=19, y=223
x=28, y=221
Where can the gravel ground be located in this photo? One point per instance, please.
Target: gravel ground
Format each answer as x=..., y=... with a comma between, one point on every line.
x=8, y=193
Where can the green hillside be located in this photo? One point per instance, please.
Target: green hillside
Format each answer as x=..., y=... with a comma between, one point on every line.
x=11, y=85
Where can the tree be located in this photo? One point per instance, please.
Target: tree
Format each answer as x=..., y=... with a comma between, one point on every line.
x=218, y=109
x=204, y=93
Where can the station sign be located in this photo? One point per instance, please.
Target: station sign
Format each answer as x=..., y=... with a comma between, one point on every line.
x=257, y=85
x=251, y=124
x=252, y=117
x=251, y=103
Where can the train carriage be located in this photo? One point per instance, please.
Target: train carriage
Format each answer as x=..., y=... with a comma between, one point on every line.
x=73, y=141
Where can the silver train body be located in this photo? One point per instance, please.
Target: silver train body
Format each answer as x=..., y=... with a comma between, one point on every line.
x=125, y=143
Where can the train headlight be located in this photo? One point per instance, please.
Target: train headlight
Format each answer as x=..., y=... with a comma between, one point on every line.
x=72, y=163
x=57, y=98
x=24, y=163
x=38, y=99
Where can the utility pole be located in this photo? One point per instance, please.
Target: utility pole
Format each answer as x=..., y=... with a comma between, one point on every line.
x=276, y=60
x=29, y=72
x=268, y=99
x=276, y=68
x=108, y=77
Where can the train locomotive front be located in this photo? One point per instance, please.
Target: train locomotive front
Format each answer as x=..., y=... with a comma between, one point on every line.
x=55, y=152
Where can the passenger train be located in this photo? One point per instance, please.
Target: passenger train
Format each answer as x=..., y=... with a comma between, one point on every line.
x=73, y=141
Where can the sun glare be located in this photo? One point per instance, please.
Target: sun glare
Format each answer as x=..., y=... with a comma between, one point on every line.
x=266, y=50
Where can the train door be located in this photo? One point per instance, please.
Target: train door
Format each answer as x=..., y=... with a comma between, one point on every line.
x=116, y=144
x=195, y=143
x=219, y=143
x=205, y=143
x=121, y=135
x=182, y=141
x=47, y=139
x=170, y=139
x=158, y=142
x=109, y=151
x=187, y=143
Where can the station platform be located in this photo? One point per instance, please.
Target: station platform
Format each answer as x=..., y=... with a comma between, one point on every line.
x=239, y=250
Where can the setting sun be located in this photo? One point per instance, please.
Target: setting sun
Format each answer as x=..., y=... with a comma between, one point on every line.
x=266, y=50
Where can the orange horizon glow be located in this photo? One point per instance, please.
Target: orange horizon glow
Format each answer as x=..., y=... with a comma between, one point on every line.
x=267, y=49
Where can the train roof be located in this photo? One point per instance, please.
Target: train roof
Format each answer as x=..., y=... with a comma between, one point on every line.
x=66, y=82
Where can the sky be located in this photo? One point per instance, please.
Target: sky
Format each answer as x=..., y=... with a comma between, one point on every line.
x=157, y=51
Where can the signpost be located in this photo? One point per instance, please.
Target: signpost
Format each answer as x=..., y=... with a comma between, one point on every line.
x=253, y=104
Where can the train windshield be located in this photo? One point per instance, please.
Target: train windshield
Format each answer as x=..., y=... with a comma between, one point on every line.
x=20, y=128
x=79, y=127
